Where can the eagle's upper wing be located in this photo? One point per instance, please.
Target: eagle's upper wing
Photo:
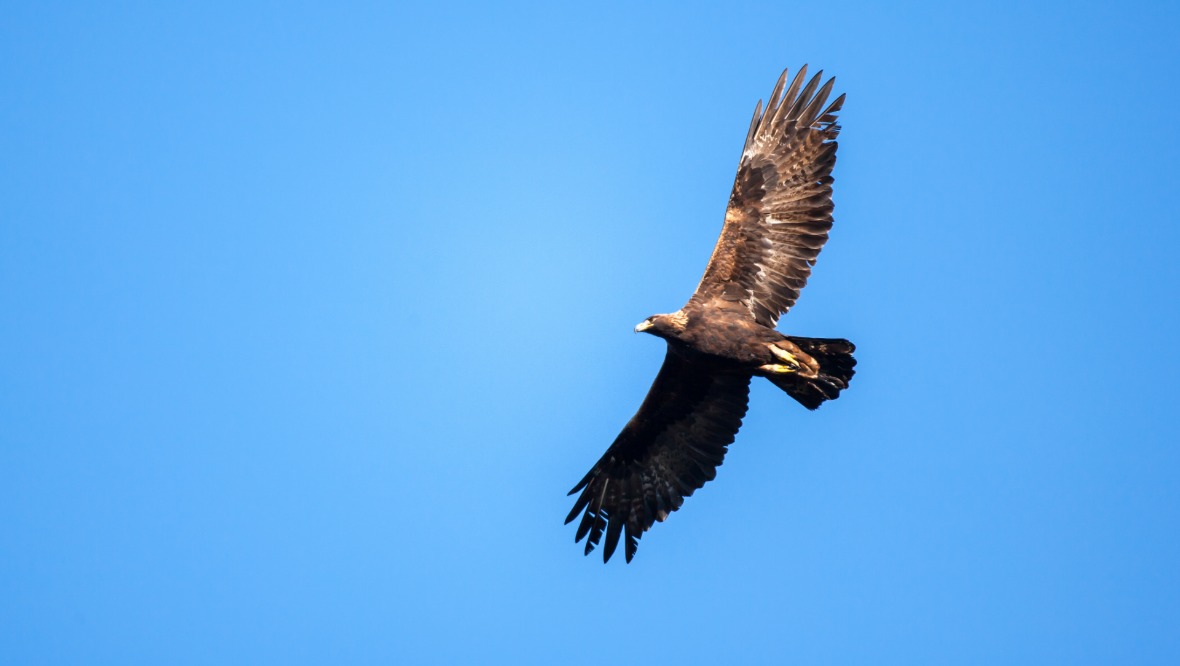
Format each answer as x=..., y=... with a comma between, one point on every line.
x=780, y=210
x=671, y=447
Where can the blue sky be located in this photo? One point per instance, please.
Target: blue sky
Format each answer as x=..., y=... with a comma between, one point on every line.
x=309, y=318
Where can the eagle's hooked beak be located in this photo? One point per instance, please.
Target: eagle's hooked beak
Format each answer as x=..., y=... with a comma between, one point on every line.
x=643, y=326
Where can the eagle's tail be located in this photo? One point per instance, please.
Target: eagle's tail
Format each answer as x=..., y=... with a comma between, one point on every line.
x=836, y=364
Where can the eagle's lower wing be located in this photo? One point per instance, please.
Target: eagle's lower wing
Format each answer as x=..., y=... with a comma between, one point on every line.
x=671, y=447
x=780, y=209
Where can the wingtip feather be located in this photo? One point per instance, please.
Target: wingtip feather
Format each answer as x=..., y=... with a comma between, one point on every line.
x=613, y=530
x=811, y=114
x=754, y=123
x=790, y=94
x=804, y=97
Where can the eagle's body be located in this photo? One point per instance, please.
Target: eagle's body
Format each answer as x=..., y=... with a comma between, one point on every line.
x=777, y=221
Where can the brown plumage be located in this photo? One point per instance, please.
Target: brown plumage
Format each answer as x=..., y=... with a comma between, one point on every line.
x=777, y=222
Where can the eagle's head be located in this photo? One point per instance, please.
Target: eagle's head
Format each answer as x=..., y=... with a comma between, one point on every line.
x=664, y=325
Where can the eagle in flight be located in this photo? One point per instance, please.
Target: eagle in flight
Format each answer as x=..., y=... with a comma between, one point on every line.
x=777, y=221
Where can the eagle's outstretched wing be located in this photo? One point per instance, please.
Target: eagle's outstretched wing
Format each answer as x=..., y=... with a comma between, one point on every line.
x=780, y=209
x=671, y=447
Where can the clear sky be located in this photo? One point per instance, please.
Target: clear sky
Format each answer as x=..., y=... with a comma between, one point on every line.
x=310, y=317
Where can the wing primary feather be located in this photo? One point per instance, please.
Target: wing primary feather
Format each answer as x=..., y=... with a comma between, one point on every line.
x=789, y=95
x=776, y=94
x=584, y=482
x=804, y=96
x=613, y=530
x=753, y=124
x=584, y=526
x=811, y=113
x=601, y=517
x=595, y=535
x=592, y=518
x=631, y=543
x=580, y=504
x=829, y=114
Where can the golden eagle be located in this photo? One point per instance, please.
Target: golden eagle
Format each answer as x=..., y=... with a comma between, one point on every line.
x=777, y=221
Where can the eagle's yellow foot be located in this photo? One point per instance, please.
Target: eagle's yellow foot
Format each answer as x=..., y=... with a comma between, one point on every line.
x=784, y=356
x=778, y=369
x=801, y=363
